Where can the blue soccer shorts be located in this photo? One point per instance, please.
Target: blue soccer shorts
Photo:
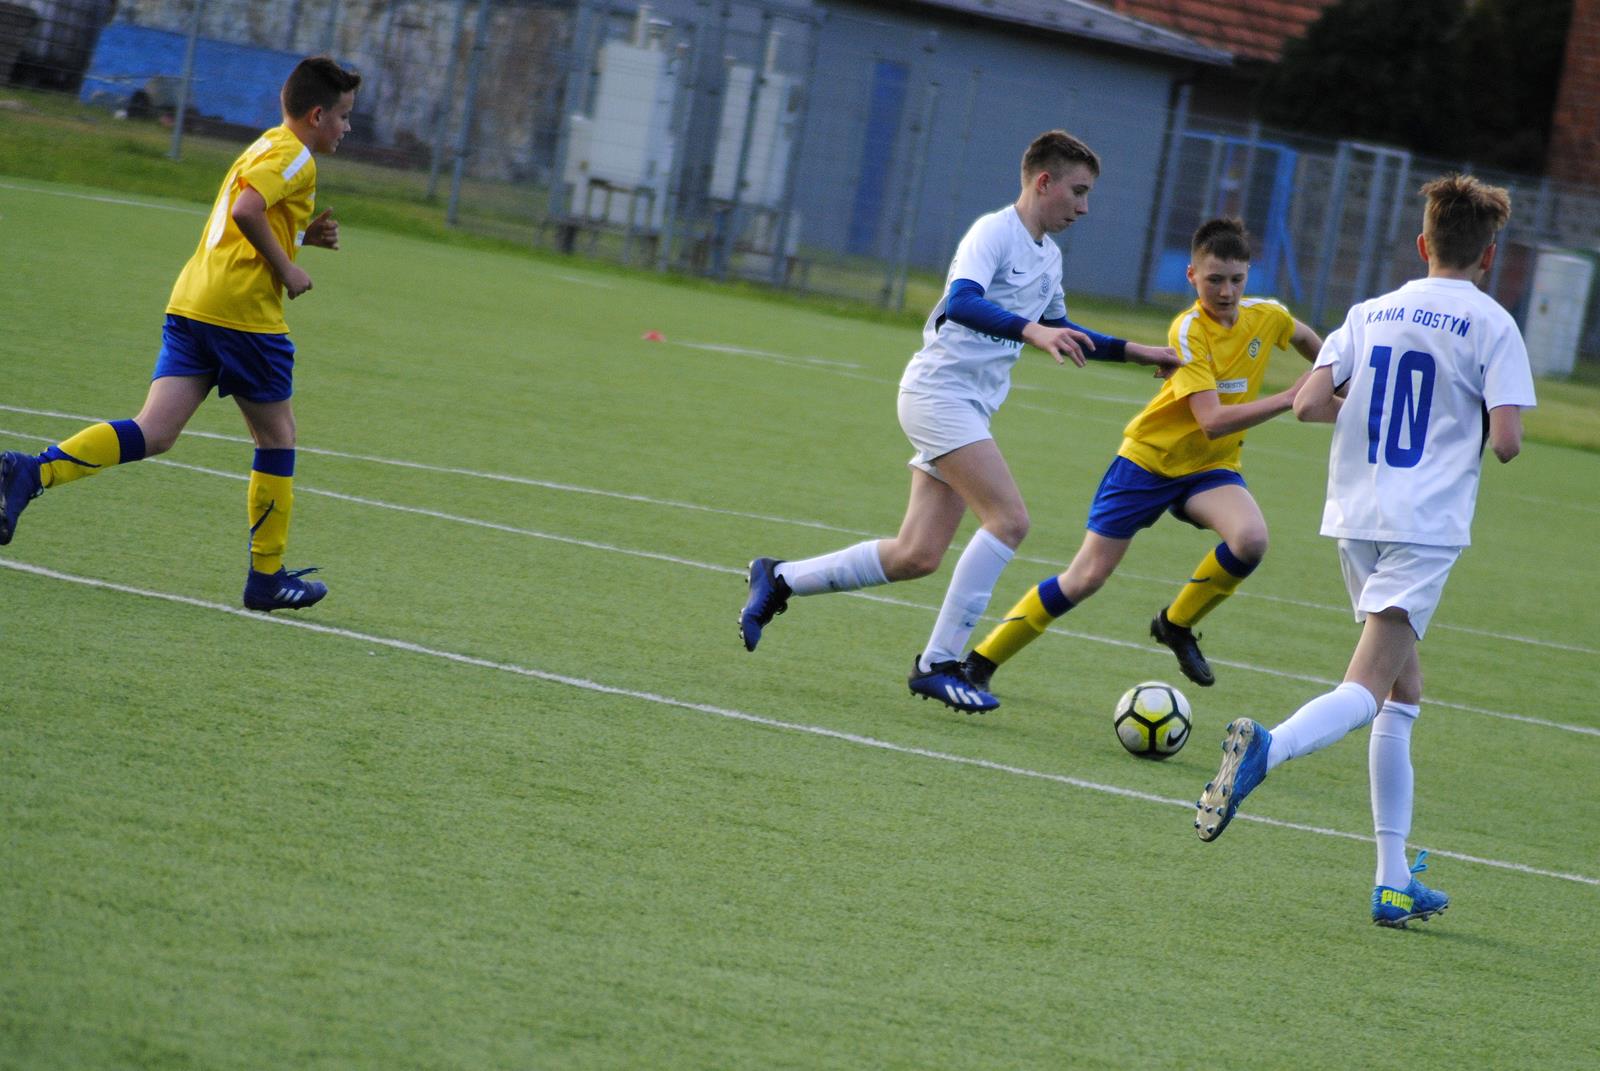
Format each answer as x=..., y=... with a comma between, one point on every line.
x=255, y=366
x=1131, y=497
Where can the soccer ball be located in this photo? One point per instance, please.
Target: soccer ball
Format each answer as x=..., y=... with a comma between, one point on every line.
x=1152, y=720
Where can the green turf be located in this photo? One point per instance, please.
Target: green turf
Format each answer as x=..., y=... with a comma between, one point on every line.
x=230, y=841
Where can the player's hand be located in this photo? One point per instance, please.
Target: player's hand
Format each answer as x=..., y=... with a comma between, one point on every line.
x=295, y=281
x=1061, y=343
x=1165, y=359
x=322, y=232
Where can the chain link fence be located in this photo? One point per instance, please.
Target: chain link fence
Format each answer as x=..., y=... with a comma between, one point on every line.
x=719, y=138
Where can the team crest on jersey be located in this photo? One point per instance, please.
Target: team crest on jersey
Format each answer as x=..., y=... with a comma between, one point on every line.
x=1255, y=348
x=1044, y=285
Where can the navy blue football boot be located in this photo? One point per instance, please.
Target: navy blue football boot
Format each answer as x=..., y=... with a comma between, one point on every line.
x=282, y=590
x=949, y=684
x=769, y=597
x=19, y=485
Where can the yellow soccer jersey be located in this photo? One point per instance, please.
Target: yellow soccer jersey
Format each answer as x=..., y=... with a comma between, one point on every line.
x=1165, y=438
x=227, y=282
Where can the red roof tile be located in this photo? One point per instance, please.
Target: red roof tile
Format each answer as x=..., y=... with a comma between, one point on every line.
x=1254, y=30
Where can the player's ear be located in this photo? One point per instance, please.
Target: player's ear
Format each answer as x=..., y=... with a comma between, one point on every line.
x=1422, y=247
x=1488, y=257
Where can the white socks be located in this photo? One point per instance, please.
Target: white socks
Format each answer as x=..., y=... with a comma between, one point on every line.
x=971, y=587
x=1324, y=720
x=1389, y=763
x=849, y=569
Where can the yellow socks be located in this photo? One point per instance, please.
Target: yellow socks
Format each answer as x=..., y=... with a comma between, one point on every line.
x=96, y=447
x=1216, y=577
x=271, y=501
x=1026, y=622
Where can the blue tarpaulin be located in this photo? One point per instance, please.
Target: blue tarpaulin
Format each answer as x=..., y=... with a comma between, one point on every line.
x=232, y=82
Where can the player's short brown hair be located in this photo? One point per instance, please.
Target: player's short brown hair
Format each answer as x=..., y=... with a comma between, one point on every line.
x=317, y=82
x=1054, y=151
x=1223, y=238
x=1462, y=218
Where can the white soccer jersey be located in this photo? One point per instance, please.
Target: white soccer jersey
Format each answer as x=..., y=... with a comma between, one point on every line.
x=1018, y=274
x=1424, y=364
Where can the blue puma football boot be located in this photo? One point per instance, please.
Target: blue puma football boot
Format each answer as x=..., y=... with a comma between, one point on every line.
x=949, y=684
x=19, y=485
x=1396, y=907
x=1244, y=766
x=282, y=590
x=769, y=597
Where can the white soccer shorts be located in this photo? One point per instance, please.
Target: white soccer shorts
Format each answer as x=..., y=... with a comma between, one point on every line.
x=937, y=424
x=1410, y=576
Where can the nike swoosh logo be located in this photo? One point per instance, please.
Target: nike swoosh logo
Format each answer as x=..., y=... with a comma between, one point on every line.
x=1174, y=737
x=1199, y=580
x=1018, y=271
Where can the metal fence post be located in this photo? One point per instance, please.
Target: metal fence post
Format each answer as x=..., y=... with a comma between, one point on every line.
x=1178, y=120
x=331, y=29
x=1330, y=232
x=176, y=152
x=480, y=45
x=579, y=63
x=758, y=82
x=780, y=258
x=894, y=285
x=442, y=105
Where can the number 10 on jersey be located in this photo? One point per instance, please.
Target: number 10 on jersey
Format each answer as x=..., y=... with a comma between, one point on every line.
x=1406, y=412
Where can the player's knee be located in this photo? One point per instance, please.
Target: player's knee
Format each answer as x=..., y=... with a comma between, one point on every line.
x=1249, y=547
x=1011, y=529
x=158, y=440
x=910, y=563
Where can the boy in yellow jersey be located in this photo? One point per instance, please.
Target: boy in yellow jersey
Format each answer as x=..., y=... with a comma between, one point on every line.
x=1181, y=455
x=225, y=329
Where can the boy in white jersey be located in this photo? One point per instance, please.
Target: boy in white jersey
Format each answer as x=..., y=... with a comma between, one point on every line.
x=225, y=329
x=1004, y=290
x=1414, y=382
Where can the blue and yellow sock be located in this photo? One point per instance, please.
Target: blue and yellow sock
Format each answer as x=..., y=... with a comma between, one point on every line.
x=271, y=501
x=96, y=447
x=1026, y=622
x=1216, y=577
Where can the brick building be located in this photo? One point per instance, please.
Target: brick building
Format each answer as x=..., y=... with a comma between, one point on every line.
x=1575, y=127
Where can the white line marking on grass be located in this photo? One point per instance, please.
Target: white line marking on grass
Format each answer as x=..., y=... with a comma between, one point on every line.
x=886, y=600
x=188, y=210
x=649, y=500
x=740, y=715
x=781, y=358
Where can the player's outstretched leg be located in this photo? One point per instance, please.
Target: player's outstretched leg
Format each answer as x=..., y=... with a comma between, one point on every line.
x=769, y=596
x=1396, y=907
x=1244, y=766
x=19, y=485
x=948, y=683
x=1182, y=641
x=283, y=590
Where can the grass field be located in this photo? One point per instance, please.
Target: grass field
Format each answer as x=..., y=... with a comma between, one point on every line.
x=514, y=796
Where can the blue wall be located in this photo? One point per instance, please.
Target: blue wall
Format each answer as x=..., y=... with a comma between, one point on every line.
x=237, y=83
x=998, y=87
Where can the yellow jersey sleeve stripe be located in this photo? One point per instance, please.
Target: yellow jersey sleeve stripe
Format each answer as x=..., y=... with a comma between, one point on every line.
x=1185, y=347
x=296, y=164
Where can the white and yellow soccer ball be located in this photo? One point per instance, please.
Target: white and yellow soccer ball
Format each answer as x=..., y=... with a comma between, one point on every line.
x=1153, y=720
